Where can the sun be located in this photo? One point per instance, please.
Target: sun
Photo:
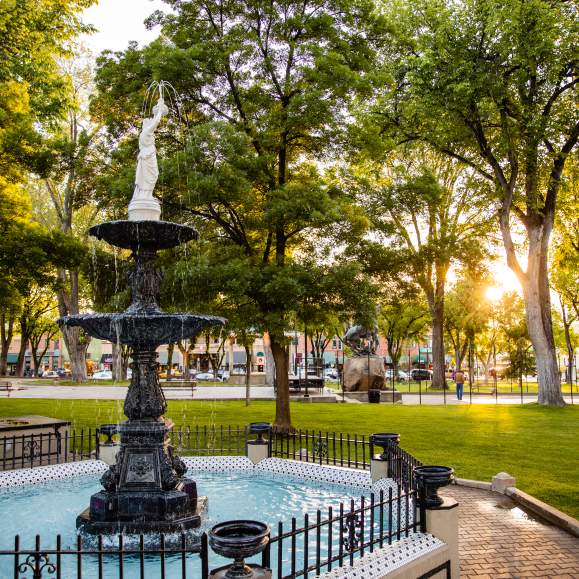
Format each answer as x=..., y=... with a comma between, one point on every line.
x=494, y=293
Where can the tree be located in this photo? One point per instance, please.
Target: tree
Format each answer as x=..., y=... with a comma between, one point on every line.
x=36, y=321
x=467, y=315
x=44, y=330
x=515, y=333
x=32, y=95
x=264, y=89
x=69, y=182
x=29, y=256
x=492, y=84
x=403, y=318
x=432, y=216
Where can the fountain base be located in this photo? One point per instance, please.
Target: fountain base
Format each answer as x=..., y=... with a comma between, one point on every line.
x=88, y=524
x=145, y=490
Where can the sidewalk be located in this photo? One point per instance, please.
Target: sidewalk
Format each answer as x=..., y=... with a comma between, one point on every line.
x=498, y=540
x=95, y=392
x=119, y=392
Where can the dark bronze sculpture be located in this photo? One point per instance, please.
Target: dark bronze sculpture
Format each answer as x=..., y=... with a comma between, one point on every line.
x=362, y=340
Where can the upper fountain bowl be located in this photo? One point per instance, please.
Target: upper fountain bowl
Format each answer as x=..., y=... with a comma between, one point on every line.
x=145, y=235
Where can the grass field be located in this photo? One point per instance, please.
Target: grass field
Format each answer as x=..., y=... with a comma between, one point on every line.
x=536, y=445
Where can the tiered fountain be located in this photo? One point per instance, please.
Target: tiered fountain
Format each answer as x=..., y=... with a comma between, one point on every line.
x=145, y=490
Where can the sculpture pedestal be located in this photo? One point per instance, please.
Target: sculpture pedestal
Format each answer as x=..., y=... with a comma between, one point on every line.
x=144, y=210
x=363, y=373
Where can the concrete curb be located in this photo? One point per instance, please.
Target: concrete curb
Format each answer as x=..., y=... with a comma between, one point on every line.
x=547, y=512
x=529, y=502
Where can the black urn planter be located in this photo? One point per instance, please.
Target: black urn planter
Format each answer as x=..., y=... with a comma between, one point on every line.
x=260, y=428
x=374, y=396
x=385, y=440
x=429, y=479
x=108, y=430
x=237, y=540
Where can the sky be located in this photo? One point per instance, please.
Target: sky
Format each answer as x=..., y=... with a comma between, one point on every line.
x=120, y=21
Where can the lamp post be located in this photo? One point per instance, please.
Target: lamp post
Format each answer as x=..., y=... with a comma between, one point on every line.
x=306, y=394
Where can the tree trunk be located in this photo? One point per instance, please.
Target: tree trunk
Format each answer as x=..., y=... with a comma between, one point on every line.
x=282, y=399
x=77, y=345
x=186, y=358
x=20, y=360
x=231, y=356
x=457, y=355
x=75, y=339
x=170, y=350
x=270, y=372
x=116, y=362
x=568, y=343
x=536, y=293
x=436, y=308
x=247, y=374
x=6, y=329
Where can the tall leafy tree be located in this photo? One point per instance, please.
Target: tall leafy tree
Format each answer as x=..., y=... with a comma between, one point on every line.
x=467, y=315
x=403, y=318
x=77, y=154
x=493, y=84
x=428, y=217
x=264, y=88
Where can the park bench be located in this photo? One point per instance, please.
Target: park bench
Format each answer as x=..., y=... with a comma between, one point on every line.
x=7, y=386
x=178, y=384
x=298, y=385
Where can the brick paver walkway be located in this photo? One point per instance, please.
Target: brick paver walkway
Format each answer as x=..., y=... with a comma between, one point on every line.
x=498, y=540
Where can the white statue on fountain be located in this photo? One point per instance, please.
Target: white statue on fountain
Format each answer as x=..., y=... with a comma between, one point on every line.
x=143, y=206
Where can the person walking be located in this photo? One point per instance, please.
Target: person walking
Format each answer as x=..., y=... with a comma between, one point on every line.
x=459, y=379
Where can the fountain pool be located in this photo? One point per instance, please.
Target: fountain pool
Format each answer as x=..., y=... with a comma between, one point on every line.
x=50, y=509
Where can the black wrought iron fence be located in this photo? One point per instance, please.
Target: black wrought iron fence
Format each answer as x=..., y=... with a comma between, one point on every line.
x=326, y=448
x=330, y=448
x=101, y=560
x=30, y=450
x=338, y=537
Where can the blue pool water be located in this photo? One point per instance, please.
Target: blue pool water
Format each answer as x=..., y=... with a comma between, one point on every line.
x=51, y=508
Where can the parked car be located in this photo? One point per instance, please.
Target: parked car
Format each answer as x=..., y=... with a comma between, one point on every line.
x=331, y=373
x=223, y=375
x=50, y=374
x=206, y=377
x=401, y=376
x=63, y=372
x=420, y=374
x=103, y=375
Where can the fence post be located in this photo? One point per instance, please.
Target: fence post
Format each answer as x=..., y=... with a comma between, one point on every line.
x=383, y=465
x=259, y=448
x=441, y=513
x=107, y=451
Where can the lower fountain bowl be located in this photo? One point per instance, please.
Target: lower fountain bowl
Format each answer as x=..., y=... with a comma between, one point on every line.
x=142, y=329
x=239, y=539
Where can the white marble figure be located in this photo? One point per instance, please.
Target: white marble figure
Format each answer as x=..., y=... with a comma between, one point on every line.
x=143, y=205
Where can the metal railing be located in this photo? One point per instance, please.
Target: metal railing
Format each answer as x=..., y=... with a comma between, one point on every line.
x=176, y=560
x=30, y=450
x=339, y=537
x=324, y=448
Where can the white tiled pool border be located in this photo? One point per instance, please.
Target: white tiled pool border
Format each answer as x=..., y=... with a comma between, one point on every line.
x=294, y=468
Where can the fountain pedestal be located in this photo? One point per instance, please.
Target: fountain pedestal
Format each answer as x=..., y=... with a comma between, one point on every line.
x=145, y=489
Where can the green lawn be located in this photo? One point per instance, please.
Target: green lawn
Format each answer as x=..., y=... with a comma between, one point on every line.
x=536, y=445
